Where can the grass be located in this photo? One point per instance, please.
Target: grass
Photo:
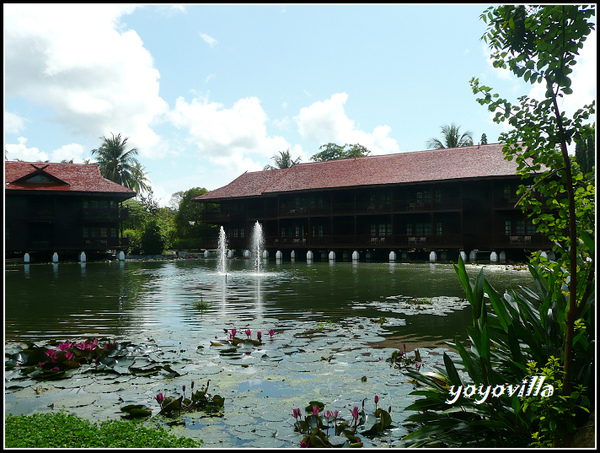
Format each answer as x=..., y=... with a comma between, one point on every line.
x=62, y=430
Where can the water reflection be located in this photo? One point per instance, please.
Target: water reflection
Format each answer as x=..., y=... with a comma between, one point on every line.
x=146, y=298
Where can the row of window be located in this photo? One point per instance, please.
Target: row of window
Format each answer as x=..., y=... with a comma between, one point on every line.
x=100, y=232
x=520, y=227
x=102, y=204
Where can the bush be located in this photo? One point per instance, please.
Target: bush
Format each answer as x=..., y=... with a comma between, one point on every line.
x=153, y=240
x=513, y=338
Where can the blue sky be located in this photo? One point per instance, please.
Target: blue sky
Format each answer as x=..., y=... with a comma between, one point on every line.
x=207, y=92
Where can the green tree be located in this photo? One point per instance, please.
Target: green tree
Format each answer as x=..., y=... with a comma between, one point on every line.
x=120, y=164
x=283, y=160
x=540, y=44
x=484, y=139
x=331, y=151
x=191, y=232
x=549, y=329
x=452, y=138
x=585, y=152
x=153, y=239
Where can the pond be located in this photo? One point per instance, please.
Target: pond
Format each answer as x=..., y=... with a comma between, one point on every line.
x=334, y=325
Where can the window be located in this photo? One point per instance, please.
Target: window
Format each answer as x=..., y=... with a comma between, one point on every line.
x=520, y=227
x=438, y=229
x=507, y=228
x=113, y=233
x=419, y=229
x=409, y=229
x=103, y=232
x=428, y=229
x=531, y=229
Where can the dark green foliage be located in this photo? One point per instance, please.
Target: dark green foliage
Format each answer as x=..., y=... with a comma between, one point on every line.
x=190, y=231
x=511, y=333
x=153, y=240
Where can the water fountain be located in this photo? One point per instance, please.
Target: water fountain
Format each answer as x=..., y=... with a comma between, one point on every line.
x=222, y=252
x=258, y=242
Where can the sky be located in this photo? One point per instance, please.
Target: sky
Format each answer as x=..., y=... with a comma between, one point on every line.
x=206, y=92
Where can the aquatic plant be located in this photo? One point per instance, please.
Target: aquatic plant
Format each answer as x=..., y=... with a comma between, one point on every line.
x=401, y=360
x=202, y=304
x=199, y=400
x=317, y=422
x=44, y=363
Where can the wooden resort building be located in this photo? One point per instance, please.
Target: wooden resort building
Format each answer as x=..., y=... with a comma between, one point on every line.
x=61, y=208
x=445, y=201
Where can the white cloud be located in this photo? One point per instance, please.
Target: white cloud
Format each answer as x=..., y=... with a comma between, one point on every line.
x=67, y=152
x=75, y=60
x=208, y=39
x=326, y=121
x=22, y=152
x=235, y=137
x=13, y=123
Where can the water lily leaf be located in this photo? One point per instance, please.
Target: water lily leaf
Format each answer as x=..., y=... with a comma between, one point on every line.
x=171, y=370
x=135, y=411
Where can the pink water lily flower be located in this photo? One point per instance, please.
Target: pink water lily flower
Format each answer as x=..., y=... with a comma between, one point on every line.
x=52, y=354
x=69, y=355
x=316, y=410
x=248, y=333
x=65, y=346
x=232, y=334
x=259, y=335
x=354, y=412
x=160, y=398
x=296, y=413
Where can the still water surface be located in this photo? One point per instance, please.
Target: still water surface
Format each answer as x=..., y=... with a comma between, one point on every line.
x=311, y=306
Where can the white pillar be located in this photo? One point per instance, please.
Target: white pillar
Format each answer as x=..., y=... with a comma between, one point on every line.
x=502, y=257
x=26, y=258
x=206, y=254
x=392, y=256
x=121, y=255
x=265, y=254
x=332, y=256
x=82, y=257
x=463, y=255
x=493, y=257
x=278, y=255
x=55, y=258
x=432, y=257
x=309, y=256
x=355, y=255
x=293, y=255
x=473, y=256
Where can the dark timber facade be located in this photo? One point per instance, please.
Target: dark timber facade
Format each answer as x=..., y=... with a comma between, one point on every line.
x=62, y=208
x=447, y=201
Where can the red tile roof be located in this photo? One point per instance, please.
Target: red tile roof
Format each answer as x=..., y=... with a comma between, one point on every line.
x=73, y=178
x=478, y=161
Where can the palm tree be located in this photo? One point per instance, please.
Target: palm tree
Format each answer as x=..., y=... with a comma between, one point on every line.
x=120, y=165
x=283, y=160
x=452, y=138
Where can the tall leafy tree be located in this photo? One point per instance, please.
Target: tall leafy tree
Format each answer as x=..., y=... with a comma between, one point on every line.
x=120, y=164
x=282, y=160
x=451, y=138
x=332, y=151
x=549, y=330
x=540, y=44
